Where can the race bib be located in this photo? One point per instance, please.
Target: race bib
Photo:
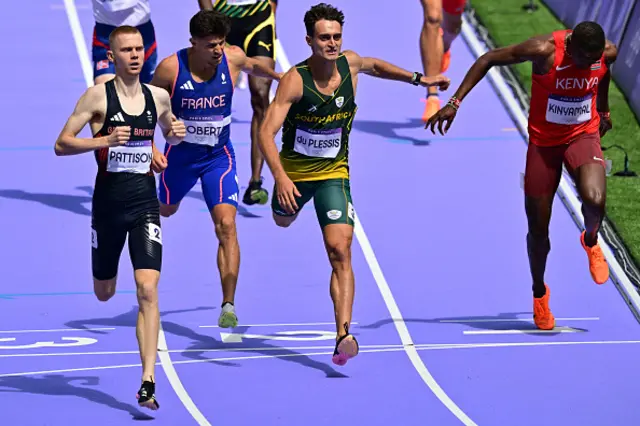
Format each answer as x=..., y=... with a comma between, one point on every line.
x=133, y=157
x=116, y=5
x=318, y=143
x=241, y=2
x=206, y=132
x=568, y=110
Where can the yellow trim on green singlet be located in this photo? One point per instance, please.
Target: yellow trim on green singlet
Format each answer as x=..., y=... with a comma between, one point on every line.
x=241, y=11
x=271, y=20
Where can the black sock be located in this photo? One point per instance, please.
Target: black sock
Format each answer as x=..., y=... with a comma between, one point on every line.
x=539, y=291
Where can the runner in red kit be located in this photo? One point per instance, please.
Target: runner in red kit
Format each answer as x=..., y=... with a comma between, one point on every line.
x=442, y=22
x=569, y=114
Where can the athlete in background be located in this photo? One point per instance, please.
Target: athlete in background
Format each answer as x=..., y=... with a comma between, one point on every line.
x=108, y=15
x=200, y=80
x=441, y=25
x=315, y=101
x=253, y=30
x=569, y=114
x=123, y=114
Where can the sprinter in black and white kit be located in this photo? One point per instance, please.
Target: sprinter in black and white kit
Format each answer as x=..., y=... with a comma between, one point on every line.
x=122, y=114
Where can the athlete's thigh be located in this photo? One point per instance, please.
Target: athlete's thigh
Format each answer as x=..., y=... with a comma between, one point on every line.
x=220, y=180
x=108, y=235
x=585, y=162
x=145, y=241
x=453, y=7
x=543, y=170
x=181, y=174
x=333, y=203
x=306, y=189
x=585, y=149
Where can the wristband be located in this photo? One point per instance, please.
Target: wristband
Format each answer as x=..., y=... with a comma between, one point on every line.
x=415, y=79
x=454, y=102
x=605, y=114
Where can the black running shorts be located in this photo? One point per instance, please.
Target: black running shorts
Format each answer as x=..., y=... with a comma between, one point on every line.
x=108, y=235
x=254, y=34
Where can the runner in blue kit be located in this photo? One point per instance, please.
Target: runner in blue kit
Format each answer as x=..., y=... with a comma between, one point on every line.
x=200, y=80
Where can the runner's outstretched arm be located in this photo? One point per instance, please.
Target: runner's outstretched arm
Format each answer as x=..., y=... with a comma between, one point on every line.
x=378, y=68
x=88, y=107
x=529, y=50
x=533, y=49
x=249, y=65
x=289, y=91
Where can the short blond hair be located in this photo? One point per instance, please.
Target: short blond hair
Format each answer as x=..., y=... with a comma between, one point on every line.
x=123, y=29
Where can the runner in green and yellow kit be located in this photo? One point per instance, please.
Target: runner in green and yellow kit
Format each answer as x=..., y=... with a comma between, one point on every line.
x=315, y=101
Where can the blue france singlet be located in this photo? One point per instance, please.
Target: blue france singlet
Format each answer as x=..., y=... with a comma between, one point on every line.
x=204, y=107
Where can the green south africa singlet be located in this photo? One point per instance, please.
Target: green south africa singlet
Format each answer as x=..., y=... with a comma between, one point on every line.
x=315, y=134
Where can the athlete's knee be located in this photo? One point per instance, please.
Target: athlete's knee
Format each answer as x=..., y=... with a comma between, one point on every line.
x=339, y=251
x=167, y=210
x=260, y=97
x=226, y=228
x=338, y=244
x=104, y=289
x=147, y=285
x=594, y=197
x=432, y=12
x=283, y=221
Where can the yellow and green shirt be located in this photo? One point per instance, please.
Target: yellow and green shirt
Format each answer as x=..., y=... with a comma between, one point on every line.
x=315, y=134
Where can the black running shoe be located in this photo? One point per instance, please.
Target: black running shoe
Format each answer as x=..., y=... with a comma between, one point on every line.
x=147, y=396
x=255, y=193
x=346, y=348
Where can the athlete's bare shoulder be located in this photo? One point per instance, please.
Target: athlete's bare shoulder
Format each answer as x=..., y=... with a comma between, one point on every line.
x=94, y=100
x=165, y=73
x=354, y=60
x=291, y=85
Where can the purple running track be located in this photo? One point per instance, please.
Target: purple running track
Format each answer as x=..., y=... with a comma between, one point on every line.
x=440, y=262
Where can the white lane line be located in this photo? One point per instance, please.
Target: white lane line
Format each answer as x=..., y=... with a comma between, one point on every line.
x=401, y=327
x=481, y=320
x=528, y=331
x=165, y=359
x=78, y=38
x=278, y=325
x=392, y=306
x=174, y=379
x=391, y=348
x=56, y=330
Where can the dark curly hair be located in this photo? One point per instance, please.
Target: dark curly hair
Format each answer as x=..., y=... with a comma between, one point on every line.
x=319, y=12
x=209, y=23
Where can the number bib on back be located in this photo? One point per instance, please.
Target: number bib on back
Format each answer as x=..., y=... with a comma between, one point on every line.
x=318, y=143
x=206, y=131
x=133, y=157
x=568, y=110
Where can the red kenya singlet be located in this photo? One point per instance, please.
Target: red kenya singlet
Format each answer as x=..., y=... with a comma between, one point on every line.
x=563, y=101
